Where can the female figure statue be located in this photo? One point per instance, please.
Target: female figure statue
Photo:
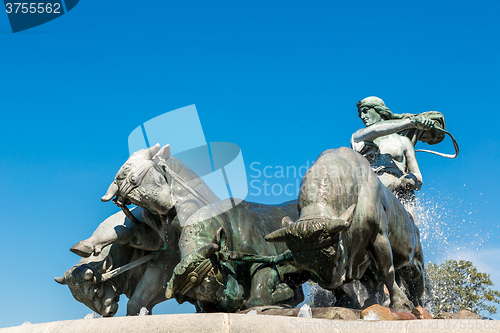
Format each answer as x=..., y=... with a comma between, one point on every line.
x=386, y=143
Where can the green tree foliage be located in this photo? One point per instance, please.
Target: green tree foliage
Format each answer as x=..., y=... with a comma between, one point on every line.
x=459, y=286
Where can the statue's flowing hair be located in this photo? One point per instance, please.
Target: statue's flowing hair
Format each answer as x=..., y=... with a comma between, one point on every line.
x=413, y=134
x=384, y=112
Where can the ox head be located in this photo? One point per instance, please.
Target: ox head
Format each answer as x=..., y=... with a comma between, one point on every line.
x=312, y=233
x=201, y=275
x=140, y=181
x=83, y=282
x=317, y=245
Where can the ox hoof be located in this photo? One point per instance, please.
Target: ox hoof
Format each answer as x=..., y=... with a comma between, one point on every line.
x=82, y=249
x=403, y=305
x=282, y=293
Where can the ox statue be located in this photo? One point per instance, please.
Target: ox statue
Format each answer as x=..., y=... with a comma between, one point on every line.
x=177, y=203
x=214, y=269
x=350, y=223
x=127, y=266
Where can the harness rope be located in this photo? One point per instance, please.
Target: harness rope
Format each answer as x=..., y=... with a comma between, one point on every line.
x=132, y=183
x=455, y=145
x=127, y=267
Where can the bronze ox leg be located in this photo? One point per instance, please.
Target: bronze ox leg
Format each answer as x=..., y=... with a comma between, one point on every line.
x=150, y=287
x=138, y=235
x=266, y=288
x=414, y=278
x=382, y=253
x=418, y=275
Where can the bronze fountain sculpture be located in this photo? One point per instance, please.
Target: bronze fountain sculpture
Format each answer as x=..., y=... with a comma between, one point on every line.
x=352, y=221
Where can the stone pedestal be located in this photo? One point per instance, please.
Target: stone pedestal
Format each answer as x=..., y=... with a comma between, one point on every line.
x=239, y=323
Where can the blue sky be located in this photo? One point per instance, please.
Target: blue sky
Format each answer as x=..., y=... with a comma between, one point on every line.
x=280, y=79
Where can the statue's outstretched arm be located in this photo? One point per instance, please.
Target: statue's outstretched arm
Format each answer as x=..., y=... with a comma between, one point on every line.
x=382, y=128
x=387, y=127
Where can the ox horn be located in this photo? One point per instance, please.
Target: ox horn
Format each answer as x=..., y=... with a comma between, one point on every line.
x=277, y=236
x=165, y=152
x=169, y=291
x=343, y=222
x=61, y=280
x=88, y=275
x=149, y=153
x=110, y=194
x=348, y=214
x=208, y=250
x=286, y=221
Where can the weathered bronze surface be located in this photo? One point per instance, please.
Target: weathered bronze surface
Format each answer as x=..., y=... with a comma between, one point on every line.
x=353, y=225
x=349, y=221
x=185, y=221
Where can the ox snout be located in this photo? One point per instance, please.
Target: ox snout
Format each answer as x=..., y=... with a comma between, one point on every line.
x=110, y=308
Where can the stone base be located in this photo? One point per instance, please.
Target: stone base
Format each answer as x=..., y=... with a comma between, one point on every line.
x=239, y=323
